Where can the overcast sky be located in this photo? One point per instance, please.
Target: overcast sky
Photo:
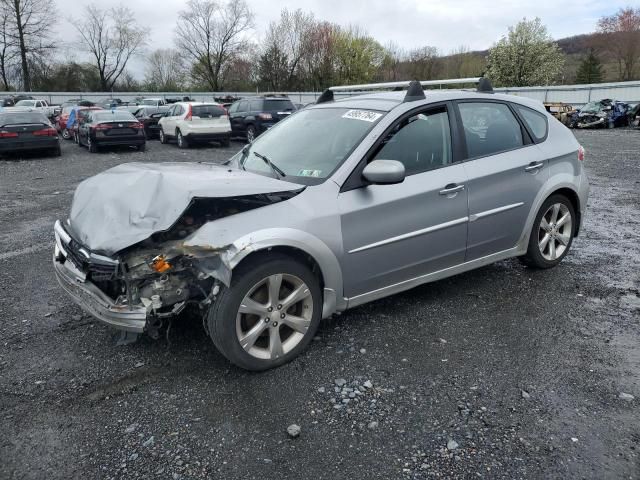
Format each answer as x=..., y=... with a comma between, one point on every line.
x=409, y=23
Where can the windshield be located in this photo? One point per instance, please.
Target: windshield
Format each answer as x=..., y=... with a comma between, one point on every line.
x=591, y=107
x=22, y=118
x=308, y=146
x=26, y=103
x=278, y=105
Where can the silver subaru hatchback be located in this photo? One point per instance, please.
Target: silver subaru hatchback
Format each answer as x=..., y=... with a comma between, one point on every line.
x=345, y=202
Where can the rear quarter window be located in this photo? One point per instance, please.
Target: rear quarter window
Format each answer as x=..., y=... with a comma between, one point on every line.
x=536, y=122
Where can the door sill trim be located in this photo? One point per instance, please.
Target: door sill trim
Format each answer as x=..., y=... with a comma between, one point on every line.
x=430, y=277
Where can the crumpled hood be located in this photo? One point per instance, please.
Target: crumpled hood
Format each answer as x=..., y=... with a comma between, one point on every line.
x=126, y=204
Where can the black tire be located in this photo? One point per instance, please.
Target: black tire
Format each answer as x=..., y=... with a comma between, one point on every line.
x=66, y=134
x=251, y=133
x=225, y=142
x=93, y=148
x=534, y=257
x=57, y=152
x=182, y=142
x=162, y=136
x=221, y=317
x=142, y=148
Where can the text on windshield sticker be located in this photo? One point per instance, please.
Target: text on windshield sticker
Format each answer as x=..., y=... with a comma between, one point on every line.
x=362, y=115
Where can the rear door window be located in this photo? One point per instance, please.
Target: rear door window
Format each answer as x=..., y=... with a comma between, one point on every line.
x=489, y=128
x=536, y=122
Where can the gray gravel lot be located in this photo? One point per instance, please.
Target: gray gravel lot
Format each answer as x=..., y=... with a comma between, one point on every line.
x=503, y=372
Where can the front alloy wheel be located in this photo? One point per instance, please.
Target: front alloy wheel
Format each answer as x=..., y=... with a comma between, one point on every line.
x=268, y=315
x=274, y=316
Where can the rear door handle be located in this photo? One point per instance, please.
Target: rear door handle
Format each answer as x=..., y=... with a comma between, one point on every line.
x=451, y=188
x=534, y=167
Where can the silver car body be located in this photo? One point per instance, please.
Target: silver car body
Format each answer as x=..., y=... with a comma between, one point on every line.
x=367, y=242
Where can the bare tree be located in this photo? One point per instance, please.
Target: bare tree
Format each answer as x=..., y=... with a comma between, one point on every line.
x=30, y=24
x=212, y=34
x=165, y=70
x=623, y=39
x=112, y=37
x=8, y=46
x=423, y=62
x=288, y=36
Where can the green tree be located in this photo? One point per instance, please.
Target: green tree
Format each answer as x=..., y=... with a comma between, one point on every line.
x=526, y=56
x=590, y=70
x=273, y=69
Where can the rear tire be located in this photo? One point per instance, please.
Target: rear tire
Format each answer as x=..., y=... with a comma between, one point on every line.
x=93, y=148
x=552, y=233
x=226, y=142
x=227, y=325
x=182, y=142
x=57, y=152
x=66, y=134
x=142, y=148
x=251, y=133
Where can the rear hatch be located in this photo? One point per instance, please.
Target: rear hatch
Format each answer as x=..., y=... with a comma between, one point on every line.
x=209, y=118
x=279, y=108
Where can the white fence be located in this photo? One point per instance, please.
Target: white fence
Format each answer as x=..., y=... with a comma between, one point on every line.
x=573, y=94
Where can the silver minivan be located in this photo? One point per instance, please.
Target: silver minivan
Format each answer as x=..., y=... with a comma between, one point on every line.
x=345, y=202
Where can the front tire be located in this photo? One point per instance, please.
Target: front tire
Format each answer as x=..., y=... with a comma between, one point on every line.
x=163, y=138
x=552, y=233
x=268, y=315
x=66, y=134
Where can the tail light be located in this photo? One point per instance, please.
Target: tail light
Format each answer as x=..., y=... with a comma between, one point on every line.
x=265, y=116
x=101, y=126
x=581, y=153
x=137, y=126
x=6, y=134
x=189, y=113
x=46, y=132
x=226, y=112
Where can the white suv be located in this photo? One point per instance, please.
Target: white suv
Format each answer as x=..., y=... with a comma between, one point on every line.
x=192, y=122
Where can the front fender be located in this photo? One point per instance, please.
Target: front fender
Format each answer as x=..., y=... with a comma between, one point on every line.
x=259, y=240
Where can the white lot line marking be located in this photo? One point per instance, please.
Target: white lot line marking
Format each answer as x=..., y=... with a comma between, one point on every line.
x=24, y=251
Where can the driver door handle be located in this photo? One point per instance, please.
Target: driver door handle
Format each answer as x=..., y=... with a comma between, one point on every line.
x=451, y=188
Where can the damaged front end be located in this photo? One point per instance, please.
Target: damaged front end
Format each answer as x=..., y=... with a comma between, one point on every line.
x=140, y=286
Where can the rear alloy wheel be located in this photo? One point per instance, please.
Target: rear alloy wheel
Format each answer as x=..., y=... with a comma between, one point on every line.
x=182, y=142
x=552, y=233
x=251, y=133
x=268, y=316
x=163, y=138
x=66, y=134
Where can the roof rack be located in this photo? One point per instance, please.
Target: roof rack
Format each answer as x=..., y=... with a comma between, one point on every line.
x=402, y=84
x=415, y=90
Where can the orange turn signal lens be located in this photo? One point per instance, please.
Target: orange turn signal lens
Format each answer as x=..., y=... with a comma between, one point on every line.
x=160, y=264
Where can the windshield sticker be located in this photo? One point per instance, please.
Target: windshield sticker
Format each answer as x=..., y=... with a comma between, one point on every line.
x=362, y=115
x=310, y=173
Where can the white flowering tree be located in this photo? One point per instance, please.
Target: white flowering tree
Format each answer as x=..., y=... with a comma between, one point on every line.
x=526, y=56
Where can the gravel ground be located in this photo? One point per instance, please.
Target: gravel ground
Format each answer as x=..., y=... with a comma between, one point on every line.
x=503, y=372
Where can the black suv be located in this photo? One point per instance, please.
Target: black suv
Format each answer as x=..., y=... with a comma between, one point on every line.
x=252, y=116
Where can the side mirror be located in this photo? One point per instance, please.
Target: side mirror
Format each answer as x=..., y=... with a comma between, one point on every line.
x=384, y=172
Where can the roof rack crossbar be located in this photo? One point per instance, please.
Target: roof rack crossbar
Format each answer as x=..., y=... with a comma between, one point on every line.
x=403, y=84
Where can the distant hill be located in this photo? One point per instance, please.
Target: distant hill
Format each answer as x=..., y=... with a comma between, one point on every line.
x=576, y=49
